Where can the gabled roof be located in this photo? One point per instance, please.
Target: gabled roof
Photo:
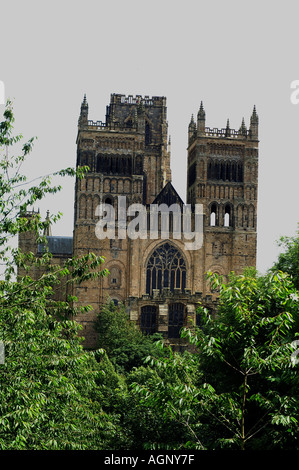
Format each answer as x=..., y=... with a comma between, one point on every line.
x=168, y=195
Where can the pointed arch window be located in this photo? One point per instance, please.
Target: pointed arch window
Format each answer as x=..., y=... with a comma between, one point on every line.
x=166, y=269
x=209, y=170
x=213, y=214
x=192, y=174
x=240, y=172
x=147, y=134
x=227, y=216
x=109, y=200
x=115, y=277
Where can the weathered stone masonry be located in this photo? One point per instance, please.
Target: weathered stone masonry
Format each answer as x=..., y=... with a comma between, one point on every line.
x=128, y=154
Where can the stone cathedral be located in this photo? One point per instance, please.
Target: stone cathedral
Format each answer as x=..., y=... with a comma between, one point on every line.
x=128, y=154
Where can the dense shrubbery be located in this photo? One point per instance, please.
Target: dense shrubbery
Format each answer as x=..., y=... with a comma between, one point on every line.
x=238, y=391
x=125, y=345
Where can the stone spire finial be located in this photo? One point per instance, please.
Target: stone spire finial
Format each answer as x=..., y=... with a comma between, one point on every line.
x=192, y=124
x=254, y=117
x=227, y=130
x=83, y=119
x=84, y=102
x=191, y=127
x=243, y=128
x=201, y=113
x=201, y=120
x=254, y=124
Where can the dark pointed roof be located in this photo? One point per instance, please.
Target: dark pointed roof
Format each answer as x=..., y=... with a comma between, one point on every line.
x=168, y=195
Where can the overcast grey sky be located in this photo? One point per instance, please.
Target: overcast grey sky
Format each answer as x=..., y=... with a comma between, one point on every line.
x=232, y=55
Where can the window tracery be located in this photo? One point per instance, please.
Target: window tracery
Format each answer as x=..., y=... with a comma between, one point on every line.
x=166, y=268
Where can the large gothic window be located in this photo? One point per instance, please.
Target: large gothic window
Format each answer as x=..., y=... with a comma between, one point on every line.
x=166, y=268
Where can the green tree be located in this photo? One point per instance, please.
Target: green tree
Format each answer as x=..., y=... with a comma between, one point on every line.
x=288, y=260
x=49, y=386
x=165, y=412
x=125, y=344
x=240, y=388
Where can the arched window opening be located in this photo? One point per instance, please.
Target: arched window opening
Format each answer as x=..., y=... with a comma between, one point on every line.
x=213, y=219
x=209, y=170
x=90, y=162
x=83, y=159
x=147, y=134
x=115, y=277
x=251, y=216
x=213, y=215
x=109, y=201
x=192, y=174
x=226, y=219
x=228, y=169
x=227, y=216
x=166, y=269
x=222, y=172
x=234, y=171
x=148, y=319
x=217, y=171
x=240, y=172
x=176, y=314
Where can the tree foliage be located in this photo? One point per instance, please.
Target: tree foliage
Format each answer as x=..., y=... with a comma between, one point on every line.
x=240, y=388
x=288, y=260
x=125, y=344
x=50, y=386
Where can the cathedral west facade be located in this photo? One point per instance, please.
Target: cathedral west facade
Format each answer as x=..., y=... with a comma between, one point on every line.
x=156, y=277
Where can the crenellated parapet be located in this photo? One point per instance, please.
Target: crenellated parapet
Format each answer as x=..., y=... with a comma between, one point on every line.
x=201, y=130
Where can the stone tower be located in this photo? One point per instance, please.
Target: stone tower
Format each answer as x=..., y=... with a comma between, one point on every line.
x=223, y=177
x=129, y=147
x=127, y=155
